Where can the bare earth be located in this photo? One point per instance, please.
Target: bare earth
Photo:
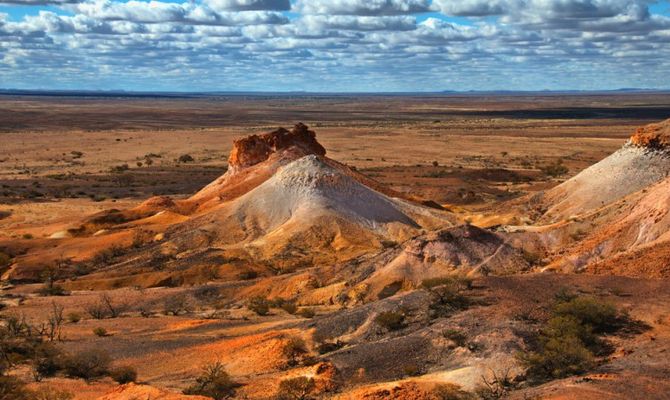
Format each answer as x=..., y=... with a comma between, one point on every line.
x=411, y=188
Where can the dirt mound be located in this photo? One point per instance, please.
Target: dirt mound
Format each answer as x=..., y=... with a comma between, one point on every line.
x=132, y=391
x=281, y=202
x=463, y=249
x=628, y=237
x=308, y=211
x=641, y=162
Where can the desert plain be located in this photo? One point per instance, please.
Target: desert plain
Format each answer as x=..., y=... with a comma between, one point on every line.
x=392, y=247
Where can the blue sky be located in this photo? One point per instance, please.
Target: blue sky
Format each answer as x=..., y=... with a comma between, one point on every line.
x=334, y=45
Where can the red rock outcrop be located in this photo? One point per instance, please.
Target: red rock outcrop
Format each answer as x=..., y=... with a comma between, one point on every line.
x=656, y=136
x=255, y=149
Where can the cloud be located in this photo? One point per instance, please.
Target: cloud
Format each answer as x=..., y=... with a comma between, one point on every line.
x=336, y=45
x=162, y=12
x=39, y=2
x=356, y=23
x=363, y=7
x=249, y=5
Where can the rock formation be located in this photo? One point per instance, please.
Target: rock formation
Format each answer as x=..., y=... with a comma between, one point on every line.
x=255, y=149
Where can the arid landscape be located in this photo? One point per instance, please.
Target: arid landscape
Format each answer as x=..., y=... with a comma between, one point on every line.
x=294, y=246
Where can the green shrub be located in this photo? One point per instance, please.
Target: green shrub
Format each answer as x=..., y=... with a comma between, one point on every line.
x=568, y=341
x=87, y=364
x=601, y=316
x=125, y=374
x=558, y=357
x=259, y=305
x=74, y=317
x=100, y=331
x=391, y=320
x=306, y=312
x=214, y=382
x=298, y=388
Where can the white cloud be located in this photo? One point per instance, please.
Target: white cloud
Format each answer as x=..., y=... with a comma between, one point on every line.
x=336, y=45
x=363, y=7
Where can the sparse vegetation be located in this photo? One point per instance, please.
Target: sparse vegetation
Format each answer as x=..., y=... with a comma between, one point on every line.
x=259, y=305
x=5, y=260
x=298, y=388
x=124, y=374
x=306, y=312
x=88, y=364
x=294, y=349
x=448, y=294
x=186, y=158
x=100, y=331
x=104, y=307
x=214, y=382
x=555, y=170
x=391, y=320
x=457, y=336
x=46, y=361
x=569, y=341
x=176, y=305
x=52, y=394
x=74, y=317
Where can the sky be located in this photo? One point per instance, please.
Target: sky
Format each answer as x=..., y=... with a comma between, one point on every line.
x=334, y=45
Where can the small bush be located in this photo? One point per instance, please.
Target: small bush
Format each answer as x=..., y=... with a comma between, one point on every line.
x=176, y=305
x=74, y=317
x=456, y=336
x=601, y=316
x=411, y=370
x=248, y=275
x=298, y=388
x=100, y=331
x=289, y=307
x=46, y=361
x=13, y=389
x=391, y=320
x=329, y=347
x=214, y=382
x=559, y=357
x=186, y=158
x=87, y=364
x=568, y=341
x=306, y=313
x=52, y=394
x=259, y=305
x=52, y=290
x=124, y=374
x=451, y=392
x=5, y=260
x=554, y=170
x=294, y=349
